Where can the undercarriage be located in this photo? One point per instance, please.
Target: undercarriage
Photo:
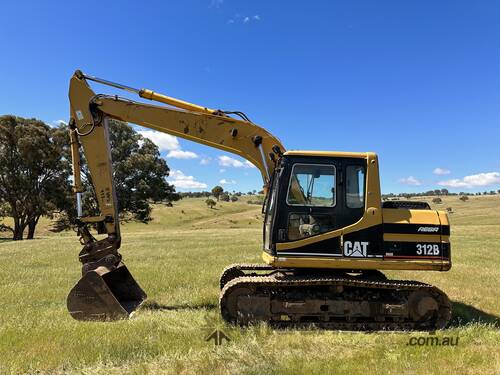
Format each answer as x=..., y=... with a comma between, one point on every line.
x=346, y=300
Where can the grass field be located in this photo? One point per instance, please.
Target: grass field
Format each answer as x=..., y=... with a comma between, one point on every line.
x=177, y=259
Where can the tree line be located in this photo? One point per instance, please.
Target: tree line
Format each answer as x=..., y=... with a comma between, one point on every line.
x=216, y=191
x=35, y=176
x=436, y=192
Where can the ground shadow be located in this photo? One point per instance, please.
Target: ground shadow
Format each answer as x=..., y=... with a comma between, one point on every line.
x=153, y=305
x=463, y=314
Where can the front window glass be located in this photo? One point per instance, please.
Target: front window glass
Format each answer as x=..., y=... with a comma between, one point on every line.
x=307, y=225
x=355, y=191
x=312, y=185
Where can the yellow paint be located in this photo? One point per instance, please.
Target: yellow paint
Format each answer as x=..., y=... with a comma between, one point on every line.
x=195, y=123
x=401, y=216
x=206, y=126
x=356, y=264
x=148, y=94
x=443, y=217
x=330, y=154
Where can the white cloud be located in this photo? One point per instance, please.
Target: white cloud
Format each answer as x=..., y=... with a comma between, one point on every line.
x=180, y=154
x=244, y=19
x=222, y=170
x=181, y=181
x=441, y=171
x=226, y=161
x=412, y=181
x=205, y=161
x=249, y=165
x=227, y=182
x=472, y=181
x=165, y=142
x=59, y=122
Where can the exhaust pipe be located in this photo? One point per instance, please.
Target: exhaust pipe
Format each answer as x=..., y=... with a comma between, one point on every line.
x=103, y=294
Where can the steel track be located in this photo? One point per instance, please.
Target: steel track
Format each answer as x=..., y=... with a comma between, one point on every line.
x=276, y=283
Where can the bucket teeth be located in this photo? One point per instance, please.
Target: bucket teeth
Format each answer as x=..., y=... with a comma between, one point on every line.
x=102, y=294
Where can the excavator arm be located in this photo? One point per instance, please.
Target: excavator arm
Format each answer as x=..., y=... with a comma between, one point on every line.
x=107, y=290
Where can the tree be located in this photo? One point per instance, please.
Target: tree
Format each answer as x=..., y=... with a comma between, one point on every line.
x=224, y=197
x=139, y=174
x=464, y=198
x=210, y=203
x=217, y=191
x=34, y=172
x=437, y=201
x=234, y=198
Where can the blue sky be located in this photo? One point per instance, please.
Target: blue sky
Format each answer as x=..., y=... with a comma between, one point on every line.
x=418, y=82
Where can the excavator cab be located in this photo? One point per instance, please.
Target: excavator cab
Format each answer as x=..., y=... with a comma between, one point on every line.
x=311, y=195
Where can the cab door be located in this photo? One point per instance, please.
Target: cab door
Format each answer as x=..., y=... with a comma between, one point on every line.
x=309, y=204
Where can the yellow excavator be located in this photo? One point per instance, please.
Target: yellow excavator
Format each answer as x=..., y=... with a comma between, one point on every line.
x=327, y=233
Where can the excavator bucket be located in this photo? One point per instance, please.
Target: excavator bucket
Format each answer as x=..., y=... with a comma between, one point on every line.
x=102, y=294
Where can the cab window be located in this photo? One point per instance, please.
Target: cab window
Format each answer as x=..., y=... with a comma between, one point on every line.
x=306, y=225
x=312, y=185
x=355, y=186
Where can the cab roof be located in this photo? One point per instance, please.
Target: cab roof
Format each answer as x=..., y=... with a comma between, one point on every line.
x=338, y=154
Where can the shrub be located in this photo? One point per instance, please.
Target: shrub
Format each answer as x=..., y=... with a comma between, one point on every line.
x=210, y=203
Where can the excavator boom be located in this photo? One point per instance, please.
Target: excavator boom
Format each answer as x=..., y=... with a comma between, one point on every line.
x=96, y=295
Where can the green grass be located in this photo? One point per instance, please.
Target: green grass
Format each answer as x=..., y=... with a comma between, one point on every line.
x=177, y=259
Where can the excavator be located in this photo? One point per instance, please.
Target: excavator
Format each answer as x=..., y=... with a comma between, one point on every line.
x=327, y=234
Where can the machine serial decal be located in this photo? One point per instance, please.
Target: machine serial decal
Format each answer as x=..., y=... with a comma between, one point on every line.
x=355, y=249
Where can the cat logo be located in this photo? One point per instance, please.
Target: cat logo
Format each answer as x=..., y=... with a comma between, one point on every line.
x=355, y=249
